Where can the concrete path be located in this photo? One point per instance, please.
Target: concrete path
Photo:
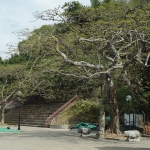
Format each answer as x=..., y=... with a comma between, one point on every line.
x=32, y=138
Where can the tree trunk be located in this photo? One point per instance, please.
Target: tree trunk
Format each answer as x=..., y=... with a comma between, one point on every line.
x=101, y=131
x=3, y=113
x=114, y=124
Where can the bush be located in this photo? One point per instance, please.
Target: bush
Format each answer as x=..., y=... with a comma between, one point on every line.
x=84, y=111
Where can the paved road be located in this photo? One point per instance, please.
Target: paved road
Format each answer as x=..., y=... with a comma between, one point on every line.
x=32, y=138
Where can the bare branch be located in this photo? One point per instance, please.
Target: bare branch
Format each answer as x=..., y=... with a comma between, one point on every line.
x=126, y=79
x=92, y=40
x=147, y=59
x=49, y=15
x=54, y=15
x=100, y=50
x=9, y=95
x=115, y=51
x=127, y=46
x=98, y=75
x=75, y=63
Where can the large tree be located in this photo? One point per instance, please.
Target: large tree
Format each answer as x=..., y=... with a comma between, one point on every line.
x=105, y=46
x=10, y=82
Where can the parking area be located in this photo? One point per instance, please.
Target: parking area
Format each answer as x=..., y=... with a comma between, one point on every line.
x=33, y=138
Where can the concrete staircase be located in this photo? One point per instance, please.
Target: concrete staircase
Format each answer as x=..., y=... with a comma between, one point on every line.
x=31, y=114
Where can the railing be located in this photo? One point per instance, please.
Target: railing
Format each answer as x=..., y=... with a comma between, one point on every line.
x=51, y=117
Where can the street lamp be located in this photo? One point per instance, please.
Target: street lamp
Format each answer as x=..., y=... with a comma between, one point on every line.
x=128, y=99
x=19, y=93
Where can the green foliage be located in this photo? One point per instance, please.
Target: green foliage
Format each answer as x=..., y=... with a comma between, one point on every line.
x=38, y=44
x=121, y=94
x=1, y=61
x=10, y=79
x=72, y=6
x=95, y=3
x=145, y=90
x=17, y=59
x=139, y=3
x=84, y=111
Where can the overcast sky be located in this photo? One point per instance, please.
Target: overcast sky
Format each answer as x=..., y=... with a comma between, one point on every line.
x=16, y=15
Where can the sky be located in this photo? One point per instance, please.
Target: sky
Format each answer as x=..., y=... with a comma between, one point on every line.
x=16, y=15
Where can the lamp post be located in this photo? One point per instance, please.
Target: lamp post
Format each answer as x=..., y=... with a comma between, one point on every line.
x=128, y=99
x=19, y=101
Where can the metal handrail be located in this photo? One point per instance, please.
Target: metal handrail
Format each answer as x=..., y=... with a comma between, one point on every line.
x=52, y=116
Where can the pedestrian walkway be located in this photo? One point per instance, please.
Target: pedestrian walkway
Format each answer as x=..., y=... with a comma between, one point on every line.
x=33, y=138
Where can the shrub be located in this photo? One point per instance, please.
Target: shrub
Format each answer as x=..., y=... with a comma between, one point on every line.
x=84, y=111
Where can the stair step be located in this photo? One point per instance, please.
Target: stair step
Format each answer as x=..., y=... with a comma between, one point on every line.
x=31, y=115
